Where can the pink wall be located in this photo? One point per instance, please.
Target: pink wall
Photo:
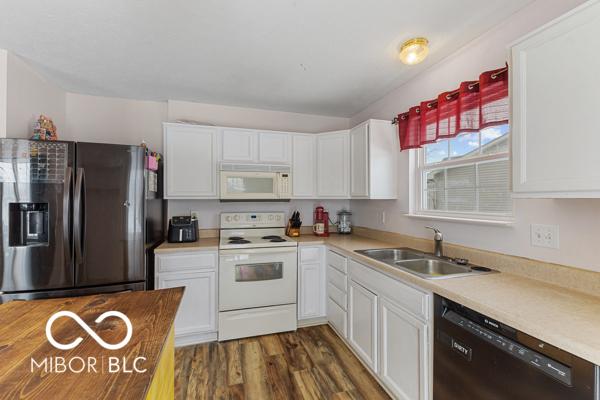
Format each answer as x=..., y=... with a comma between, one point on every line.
x=578, y=220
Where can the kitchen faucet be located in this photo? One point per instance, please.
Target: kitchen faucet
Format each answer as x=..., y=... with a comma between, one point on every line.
x=438, y=239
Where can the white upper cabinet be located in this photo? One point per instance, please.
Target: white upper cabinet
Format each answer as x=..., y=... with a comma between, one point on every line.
x=304, y=166
x=239, y=145
x=190, y=161
x=359, y=161
x=554, y=89
x=333, y=163
x=374, y=151
x=250, y=146
x=274, y=147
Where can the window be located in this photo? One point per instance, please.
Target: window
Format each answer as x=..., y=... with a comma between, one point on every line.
x=466, y=176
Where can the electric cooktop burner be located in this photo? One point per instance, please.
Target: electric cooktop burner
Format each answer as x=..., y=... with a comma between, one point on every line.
x=270, y=237
x=238, y=241
x=277, y=240
x=235, y=238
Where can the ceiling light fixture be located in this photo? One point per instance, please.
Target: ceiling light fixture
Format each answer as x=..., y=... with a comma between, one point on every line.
x=413, y=51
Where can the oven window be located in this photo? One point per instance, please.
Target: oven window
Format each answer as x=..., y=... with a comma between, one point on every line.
x=258, y=272
x=241, y=185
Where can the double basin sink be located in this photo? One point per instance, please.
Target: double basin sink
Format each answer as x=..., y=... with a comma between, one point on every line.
x=422, y=264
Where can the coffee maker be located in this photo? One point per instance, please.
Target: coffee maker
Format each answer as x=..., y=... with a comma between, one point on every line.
x=344, y=225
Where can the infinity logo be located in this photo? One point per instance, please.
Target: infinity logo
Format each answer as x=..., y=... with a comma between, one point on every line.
x=89, y=330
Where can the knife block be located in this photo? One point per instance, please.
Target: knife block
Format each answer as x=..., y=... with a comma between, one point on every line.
x=292, y=232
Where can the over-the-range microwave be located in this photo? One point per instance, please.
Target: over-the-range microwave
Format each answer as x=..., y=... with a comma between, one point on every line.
x=255, y=182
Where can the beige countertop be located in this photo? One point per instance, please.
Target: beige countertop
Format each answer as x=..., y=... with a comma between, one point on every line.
x=559, y=316
x=211, y=243
x=563, y=317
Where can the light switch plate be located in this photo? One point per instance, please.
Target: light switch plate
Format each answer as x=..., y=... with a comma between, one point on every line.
x=544, y=236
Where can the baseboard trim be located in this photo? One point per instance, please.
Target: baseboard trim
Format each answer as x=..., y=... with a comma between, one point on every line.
x=303, y=323
x=190, y=339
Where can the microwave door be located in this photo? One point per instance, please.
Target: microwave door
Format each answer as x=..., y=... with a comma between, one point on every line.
x=249, y=185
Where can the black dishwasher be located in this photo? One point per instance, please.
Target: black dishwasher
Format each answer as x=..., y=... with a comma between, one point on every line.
x=476, y=357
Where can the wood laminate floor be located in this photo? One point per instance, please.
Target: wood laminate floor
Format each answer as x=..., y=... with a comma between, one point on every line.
x=311, y=363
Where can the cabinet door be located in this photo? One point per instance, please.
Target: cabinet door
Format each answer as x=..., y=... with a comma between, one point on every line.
x=274, y=147
x=555, y=108
x=359, y=161
x=198, y=310
x=190, y=162
x=310, y=291
x=403, y=352
x=332, y=165
x=238, y=145
x=362, y=313
x=304, y=166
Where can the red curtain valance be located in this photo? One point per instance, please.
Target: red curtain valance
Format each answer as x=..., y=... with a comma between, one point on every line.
x=473, y=106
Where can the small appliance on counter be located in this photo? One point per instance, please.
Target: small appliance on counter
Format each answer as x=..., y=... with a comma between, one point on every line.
x=321, y=222
x=294, y=224
x=344, y=225
x=183, y=229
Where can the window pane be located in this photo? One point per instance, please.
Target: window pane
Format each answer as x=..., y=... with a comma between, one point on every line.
x=494, y=174
x=464, y=145
x=462, y=200
x=435, y=180
x=494, y=201
x=494, y=187
x=494, y=140
x=461, y=177
x=436, y=152
x=435, y=200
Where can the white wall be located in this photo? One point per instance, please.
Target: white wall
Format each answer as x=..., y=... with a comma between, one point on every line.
x=254, y=118
x=28, y=95
x=3, y=90
x=210, y=209
x=578, y=219
x=115, y=120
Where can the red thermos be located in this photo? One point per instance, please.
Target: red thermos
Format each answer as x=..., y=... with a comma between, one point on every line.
x=321, y=222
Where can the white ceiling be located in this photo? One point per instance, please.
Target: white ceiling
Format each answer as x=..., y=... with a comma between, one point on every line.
x=331, y=57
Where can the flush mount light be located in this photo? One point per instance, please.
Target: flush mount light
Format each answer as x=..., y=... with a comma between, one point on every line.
x=414, y=51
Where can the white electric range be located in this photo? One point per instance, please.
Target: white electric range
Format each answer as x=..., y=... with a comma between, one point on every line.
x=258, y=269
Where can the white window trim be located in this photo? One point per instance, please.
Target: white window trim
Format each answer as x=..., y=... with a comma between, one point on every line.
x=416, y=210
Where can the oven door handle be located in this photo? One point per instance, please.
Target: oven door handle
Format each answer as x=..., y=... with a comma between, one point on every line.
x=260, y=250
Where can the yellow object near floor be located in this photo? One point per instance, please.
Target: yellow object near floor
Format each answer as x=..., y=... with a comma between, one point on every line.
x=163, y=383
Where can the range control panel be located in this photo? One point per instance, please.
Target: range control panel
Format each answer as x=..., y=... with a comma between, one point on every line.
x=539, y=361
x=253, y=220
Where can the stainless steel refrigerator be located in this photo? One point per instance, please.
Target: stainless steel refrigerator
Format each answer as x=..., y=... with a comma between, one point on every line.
x=77, y=218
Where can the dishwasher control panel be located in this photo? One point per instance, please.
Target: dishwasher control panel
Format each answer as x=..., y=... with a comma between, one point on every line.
x=545, y=364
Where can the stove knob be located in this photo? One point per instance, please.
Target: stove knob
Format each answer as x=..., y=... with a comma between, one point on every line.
x=270, y=217
x=236, y=218
x=228, y=218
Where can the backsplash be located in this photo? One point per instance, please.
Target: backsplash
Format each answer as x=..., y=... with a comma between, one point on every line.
x=209, y=210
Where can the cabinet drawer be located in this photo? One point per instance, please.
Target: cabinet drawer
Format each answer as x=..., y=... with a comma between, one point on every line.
x=337, y=261
x=188, y=261
x=337, y=295
x=336, y=278
x=337, y=317
x=310, y=255
x=410, y=299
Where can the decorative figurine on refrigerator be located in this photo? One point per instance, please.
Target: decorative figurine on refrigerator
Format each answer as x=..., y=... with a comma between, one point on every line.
x=44, y=129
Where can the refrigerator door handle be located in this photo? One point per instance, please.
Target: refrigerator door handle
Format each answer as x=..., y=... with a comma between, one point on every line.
x=66, y=214
x=79, y=219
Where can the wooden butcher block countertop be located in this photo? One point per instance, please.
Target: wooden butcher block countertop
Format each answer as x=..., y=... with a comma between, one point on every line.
x=23, y=338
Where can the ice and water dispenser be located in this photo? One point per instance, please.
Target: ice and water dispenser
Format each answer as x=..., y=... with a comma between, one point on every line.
x=28, y=224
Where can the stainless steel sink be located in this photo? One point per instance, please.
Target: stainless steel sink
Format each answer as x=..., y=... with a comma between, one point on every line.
x=423, y=265
x=434, y=268
x=391, y=254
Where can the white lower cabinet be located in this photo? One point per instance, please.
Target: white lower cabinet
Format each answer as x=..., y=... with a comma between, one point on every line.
x=403, y=351
x=196, y=319
x=362, y=335
x=387, y=324
x=311, y=282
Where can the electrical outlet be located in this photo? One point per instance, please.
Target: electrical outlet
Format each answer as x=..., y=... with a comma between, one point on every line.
x=195, y=214
x=382, y=218
x=544, y=236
